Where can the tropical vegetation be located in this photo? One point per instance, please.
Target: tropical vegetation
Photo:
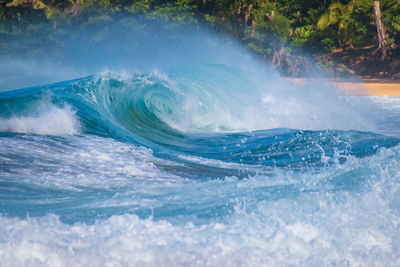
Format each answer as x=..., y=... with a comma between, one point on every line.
x=274, y=30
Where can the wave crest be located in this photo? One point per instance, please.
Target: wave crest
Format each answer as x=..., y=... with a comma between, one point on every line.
x=54, y=121
x=218, y=98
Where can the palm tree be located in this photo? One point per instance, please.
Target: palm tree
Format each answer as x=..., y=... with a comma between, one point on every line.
x=340, y=15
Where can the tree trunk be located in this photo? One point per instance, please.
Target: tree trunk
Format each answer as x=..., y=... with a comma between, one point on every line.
x=243, y=17
x=279, y=55
x=382, y=37
x=247, y=16
x=281, y=60
x=253, y=29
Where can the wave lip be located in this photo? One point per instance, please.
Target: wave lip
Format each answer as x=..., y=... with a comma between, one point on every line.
x=54, y=121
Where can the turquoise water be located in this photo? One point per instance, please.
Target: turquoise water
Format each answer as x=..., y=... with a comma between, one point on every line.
x=193, y=166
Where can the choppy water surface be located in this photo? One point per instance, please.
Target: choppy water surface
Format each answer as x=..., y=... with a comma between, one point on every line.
x=207, y=165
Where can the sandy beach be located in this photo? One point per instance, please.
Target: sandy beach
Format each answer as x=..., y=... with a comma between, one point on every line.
x=370, y=87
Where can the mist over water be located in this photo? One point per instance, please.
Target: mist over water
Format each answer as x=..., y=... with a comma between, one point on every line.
x=125, y=46
x=177, y=147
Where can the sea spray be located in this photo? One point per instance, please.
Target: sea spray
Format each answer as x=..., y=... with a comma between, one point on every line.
x=54, y=121
x=286, y=218
x=203, y=157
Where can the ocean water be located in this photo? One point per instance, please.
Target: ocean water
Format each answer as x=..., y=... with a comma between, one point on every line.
x=203, y=165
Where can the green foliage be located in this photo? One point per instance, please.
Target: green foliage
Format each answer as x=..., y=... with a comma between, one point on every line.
x=272, y=29
x=355, y=21
x=303, y=35
x=140, y=7
x=269, y=20
x=391, y=19
x=261, y=25
x=340, y=15
x=2, y=11
x=180, y=11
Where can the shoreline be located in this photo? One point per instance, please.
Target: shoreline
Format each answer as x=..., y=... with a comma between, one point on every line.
x=366, y=87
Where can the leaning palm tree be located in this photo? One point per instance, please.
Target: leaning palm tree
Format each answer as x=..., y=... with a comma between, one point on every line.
x=340, y=15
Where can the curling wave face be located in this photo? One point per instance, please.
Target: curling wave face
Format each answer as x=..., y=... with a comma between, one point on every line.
x=209, y=161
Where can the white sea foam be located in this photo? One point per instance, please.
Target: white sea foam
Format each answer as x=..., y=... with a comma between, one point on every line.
x=390, y=103
x=320, y=224
x=53, y=121
x=355, y=231
x=84, y=161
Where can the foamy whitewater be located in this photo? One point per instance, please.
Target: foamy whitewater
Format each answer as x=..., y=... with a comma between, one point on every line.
x=200, y=165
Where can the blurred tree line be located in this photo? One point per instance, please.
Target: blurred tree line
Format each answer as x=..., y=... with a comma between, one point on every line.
x=274, y=29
